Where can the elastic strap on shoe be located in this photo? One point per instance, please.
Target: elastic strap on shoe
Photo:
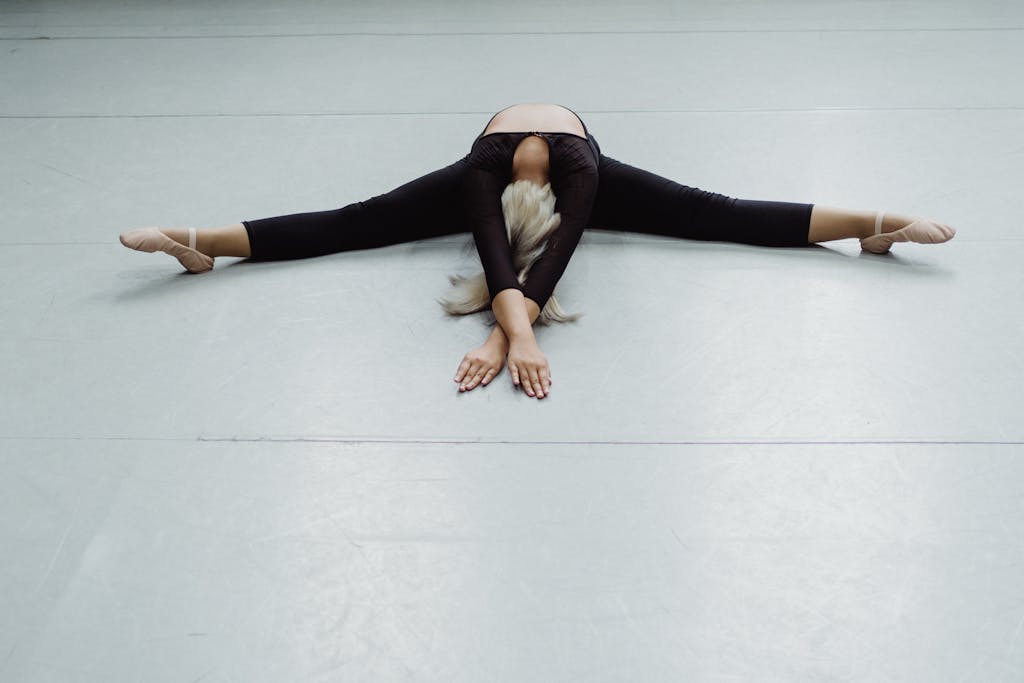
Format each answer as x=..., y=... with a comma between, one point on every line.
x=878, y=222
x=191, y=238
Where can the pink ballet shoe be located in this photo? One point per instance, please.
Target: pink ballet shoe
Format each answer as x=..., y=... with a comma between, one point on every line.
x=922, y=231
x=152, y=239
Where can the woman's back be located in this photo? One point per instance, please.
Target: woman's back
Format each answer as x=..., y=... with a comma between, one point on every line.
x=550, y=118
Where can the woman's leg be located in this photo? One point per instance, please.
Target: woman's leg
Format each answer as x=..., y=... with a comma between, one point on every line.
x=230, y=240
x=634, y=200
x=831, y=223
x=428, y=206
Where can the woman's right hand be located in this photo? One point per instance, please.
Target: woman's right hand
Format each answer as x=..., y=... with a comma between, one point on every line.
x=480, y=365
x=529, y=367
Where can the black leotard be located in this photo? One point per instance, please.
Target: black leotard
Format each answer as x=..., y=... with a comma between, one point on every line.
x=465, y=196
x=573, y=164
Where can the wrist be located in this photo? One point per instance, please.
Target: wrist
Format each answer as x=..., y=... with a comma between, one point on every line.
x=522, y=336
x=498, y=338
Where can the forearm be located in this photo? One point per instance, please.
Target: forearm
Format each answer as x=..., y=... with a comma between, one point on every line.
x=515, y=315
x=527, y=365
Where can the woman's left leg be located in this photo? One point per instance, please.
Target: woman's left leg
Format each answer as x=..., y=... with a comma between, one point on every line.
x=831, y=223
x=634, y=200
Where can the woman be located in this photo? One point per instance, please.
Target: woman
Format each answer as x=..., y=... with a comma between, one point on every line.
x=533, y=180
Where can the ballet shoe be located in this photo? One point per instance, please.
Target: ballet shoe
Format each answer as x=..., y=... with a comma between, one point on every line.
x=922, y=231
x=152, y=239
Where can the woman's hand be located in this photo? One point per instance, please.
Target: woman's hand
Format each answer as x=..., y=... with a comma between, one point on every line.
x=480, y=365
x=528, y=366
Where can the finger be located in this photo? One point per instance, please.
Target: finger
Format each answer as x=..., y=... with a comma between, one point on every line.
x=515, y=373
x=461, y=371
x=546, y=381
x=527, y=383
x=535, y=381
x=476, y=378
x=469, y=375
x=489, y=376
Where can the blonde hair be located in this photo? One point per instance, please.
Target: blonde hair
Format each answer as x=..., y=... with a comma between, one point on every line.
x=530, y=219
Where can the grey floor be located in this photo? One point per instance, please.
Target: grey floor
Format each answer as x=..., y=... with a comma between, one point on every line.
x=756, y=464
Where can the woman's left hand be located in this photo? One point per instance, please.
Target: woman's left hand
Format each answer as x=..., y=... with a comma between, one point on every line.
x=480, y=366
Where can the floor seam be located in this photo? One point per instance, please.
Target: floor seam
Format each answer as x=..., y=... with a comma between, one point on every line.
x=388, y=34
x=550, y=442
x=760, y=110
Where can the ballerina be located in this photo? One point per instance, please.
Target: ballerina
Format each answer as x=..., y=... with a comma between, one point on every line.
x=532, y=181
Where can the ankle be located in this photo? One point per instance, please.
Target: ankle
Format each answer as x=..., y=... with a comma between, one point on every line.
x=179, y=235
x=891, y=222
x=230, y=240
x=205, y=239
x=894, y=222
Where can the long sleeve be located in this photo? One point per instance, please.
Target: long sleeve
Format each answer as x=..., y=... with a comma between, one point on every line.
x=574, y=199
x=482, y=196
x=573, y=175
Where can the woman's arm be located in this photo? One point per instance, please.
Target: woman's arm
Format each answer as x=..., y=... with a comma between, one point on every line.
x=525, y=359
x=482, y=201
x=574, y=181
x=512, y=311
x=498, y=335
x=526, y=362
x=574, y=203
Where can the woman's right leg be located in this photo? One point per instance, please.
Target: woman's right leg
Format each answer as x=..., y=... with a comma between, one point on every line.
x=230, y=240
x=428, y=206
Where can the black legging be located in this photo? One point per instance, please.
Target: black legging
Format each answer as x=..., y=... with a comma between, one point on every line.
x=628, y=199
